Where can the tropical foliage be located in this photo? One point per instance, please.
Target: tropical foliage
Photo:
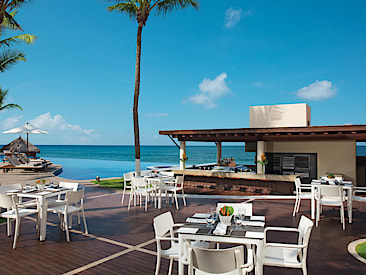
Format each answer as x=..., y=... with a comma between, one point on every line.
x=9, y=56
x=140, y=10
x=3, y=94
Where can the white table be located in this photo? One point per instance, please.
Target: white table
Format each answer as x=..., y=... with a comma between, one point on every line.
x=348, y=187
x=42, y=196
x=259, y=243
x=158, y=182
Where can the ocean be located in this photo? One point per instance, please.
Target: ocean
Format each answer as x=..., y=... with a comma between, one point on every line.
x=87, y=161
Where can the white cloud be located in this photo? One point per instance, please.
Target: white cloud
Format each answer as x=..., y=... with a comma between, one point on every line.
x=58, y=123
x=157, y=114
x=210, y=90
x=318, y=90
x=11, y=122
x=233, y=17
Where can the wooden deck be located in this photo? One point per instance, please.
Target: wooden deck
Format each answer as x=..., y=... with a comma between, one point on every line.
x=122, y=242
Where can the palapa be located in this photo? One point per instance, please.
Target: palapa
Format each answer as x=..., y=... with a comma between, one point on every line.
x=20, y=145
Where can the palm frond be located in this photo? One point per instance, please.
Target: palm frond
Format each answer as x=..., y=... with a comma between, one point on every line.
x=9, y=58
x=17, y=3
x=25, y=38
x=11, y=106
x=129, y=7
x=10, y=23
x=3, y=94
x=166, y=6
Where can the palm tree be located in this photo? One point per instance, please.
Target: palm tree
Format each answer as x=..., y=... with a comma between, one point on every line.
x=3, y=94
x=140, y=10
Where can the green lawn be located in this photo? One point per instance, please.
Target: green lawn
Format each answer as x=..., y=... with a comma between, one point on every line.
x=2, y=220
x=361, y=250
x=116, y=183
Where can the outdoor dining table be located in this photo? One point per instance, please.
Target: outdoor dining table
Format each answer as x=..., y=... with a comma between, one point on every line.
x=347, y=186
x=42, y=197
x=158, y=181
x=233, y=236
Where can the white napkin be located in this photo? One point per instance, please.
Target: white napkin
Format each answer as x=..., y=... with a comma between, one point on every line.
x=13, y=191
x=193, y=220
x=255, y=235
x=258, y=218
x=201, y=215
x=187, y=230
x=252, y=223
x=220, y=229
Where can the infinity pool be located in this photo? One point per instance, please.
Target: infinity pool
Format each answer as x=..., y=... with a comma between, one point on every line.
x=82, y=169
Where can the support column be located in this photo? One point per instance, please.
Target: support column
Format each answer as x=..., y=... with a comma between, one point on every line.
x=218, y=152
x=181, y=152
x=260, y=151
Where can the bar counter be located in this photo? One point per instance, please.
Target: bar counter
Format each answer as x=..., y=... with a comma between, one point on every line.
x=226, y=183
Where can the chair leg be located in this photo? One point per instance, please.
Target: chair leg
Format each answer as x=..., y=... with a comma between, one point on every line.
x=295, y=207
x=129, y=201
x=184, y=198
x=157, y=268
x=66, y=227
x=78, y=218
x=146, y=201
x=123, y=194
x=317, y=214
x=170, y=266
x=342, y=218
x=70, y=221
x=9, y=227
x=304, y=271
x=298, y=205
x=16, y=234
x=176, y=199
x=85, y=226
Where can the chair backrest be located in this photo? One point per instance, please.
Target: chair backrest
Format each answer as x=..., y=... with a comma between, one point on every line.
x=163, y=223
x=216, y=261
x=6, y=201
x=11, y=160
x=179, y=181
x=305, y=226
x=298, y=185
x=70, y=185
x=24, y=155
x=74, y=197
x=15, y=159
x=6, y=188
x=20, y=158
x=128, y=176
x=138, y=182
x=243, y=205
x=330, y=191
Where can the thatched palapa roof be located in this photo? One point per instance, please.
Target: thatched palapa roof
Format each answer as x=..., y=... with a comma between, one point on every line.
x=20, y=145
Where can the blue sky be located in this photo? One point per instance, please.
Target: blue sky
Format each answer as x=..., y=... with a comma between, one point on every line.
x=200, y=69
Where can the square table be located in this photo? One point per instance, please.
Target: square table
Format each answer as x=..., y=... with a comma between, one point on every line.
x=42, y=196
x=347, y=186
x=233, y=237
x=158, y=181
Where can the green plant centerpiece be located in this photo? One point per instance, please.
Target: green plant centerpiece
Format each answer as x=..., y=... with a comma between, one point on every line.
x=331, y=176
x=226, y=214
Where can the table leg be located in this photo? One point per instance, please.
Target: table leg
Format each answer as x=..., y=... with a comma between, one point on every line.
x=349, y=204
x=159, y=200
x=180, y=255
x=313, y=202
x=42, y=218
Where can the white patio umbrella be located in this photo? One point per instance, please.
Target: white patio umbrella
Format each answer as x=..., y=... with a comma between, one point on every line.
x=26, y=129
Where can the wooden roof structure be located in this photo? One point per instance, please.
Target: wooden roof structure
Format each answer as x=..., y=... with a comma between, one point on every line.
x=316, y=133
x=20, y=145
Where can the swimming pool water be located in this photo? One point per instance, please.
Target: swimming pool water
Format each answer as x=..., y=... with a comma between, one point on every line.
x=82, y=169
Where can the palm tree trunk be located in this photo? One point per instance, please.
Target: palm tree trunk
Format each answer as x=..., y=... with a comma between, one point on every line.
x=136, y=102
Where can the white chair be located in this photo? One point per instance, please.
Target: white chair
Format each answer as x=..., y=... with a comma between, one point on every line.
x=330, y=195
x=74, y=204
x=228, y=261
x=289, y=255
x=248, y=207
x=127, y=177
x=164, y=231
x=173, y=187
x=16, y=211
x=139, y=188
x=300, y=194
x=358, y=197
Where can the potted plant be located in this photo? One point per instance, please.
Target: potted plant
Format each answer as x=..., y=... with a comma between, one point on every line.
x=184, y=159
x=40, y=184
x=263, y=161
x=225, y=214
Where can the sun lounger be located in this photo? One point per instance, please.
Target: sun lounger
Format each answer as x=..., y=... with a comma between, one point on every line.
x=24, y=159
x=15, y=164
